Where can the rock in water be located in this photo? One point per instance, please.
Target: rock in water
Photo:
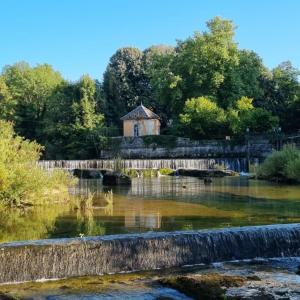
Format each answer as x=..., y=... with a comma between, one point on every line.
x=201, y=173
x=87, y=173
x=113, y=178
x=208, y=286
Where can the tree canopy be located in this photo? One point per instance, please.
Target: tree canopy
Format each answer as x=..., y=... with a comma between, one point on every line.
x=204, y=86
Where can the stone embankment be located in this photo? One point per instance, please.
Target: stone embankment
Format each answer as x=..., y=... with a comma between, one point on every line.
x=135, y=147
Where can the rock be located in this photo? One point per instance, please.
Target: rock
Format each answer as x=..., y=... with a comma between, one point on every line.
x=7, y=297
x=201, y=173
x=253, y=277
x=87, y=173
x=207, y=180
x=113, y=178
x=245, y=293
x=209, y=286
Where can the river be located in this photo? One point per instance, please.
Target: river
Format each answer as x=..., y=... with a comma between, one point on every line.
x=157, y=204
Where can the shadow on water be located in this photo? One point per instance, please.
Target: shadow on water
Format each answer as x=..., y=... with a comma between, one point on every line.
x=157, y=204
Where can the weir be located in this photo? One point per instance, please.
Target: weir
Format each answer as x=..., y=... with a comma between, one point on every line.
x=62, y=258
x=234, y=164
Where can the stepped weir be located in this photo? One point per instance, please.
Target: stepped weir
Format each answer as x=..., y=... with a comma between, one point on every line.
x=62, y=258
x=234, y=164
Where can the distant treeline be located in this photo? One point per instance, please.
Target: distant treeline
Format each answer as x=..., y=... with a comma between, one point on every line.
x=203, y=87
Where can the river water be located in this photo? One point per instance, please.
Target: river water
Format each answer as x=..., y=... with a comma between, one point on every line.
x=157, y=204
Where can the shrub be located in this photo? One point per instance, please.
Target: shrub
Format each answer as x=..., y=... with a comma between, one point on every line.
x=145, y=173
x=202, y=118
x=22, y=181
x=166, y=171
x=132, y=173
x=282, y=165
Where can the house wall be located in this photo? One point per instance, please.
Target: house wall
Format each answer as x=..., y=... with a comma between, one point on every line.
x=146, y=127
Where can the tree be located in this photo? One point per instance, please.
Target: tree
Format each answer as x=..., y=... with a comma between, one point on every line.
x=30, y=89
x=242, y=79
x=158, y=62
x=197, y=67
x=125, y=84
x=282, y=95
x=7, y=105
x=202, y=117
x=202, y=61
x=73, y=122
x=245, y=115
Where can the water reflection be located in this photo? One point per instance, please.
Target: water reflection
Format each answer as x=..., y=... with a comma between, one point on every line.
x=157, y=204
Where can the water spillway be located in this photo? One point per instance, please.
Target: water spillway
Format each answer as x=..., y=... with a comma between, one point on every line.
x=235, y=164
x=61, y=258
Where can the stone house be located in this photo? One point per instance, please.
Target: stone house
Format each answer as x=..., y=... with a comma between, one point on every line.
x=141, y=121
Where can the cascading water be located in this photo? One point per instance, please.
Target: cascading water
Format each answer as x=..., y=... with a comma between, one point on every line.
x=234, y=164
x=62, y=258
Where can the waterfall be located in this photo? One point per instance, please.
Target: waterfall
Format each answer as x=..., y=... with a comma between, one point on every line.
x=63, y=258
x=234, y=164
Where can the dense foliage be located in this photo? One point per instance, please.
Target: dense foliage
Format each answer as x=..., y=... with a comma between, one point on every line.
x=282, y=165
x=205, y=86
x=22, y=182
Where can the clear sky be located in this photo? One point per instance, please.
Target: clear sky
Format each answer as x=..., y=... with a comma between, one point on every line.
x=79, y=36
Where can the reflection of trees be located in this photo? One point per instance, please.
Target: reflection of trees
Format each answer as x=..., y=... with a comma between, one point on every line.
x=108, y=208
x=82, y=221
x=143, y=219
x=87, y=225
x=29, y=224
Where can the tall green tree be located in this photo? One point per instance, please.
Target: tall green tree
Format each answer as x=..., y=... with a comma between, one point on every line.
x=242, y=79
x=158, y=61
x=244, y=116
x=73, y=122
x=30, y=89
x=202, y=118
x=202, y=61
x=125, y=83
x=282, y=95
x=7, y=104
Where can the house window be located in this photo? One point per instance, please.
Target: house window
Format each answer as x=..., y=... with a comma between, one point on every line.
x=136, y=130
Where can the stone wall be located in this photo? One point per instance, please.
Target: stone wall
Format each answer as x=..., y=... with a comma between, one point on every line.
x=135, y=147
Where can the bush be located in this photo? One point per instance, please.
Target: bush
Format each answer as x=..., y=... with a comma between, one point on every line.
x=203, y=118
x=282, y=165
x=132, y=173
x=22, y=182
x=145, y=173
x=166, y=171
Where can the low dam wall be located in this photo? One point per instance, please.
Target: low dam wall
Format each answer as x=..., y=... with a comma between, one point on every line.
x=61, y=258
x=235, y=164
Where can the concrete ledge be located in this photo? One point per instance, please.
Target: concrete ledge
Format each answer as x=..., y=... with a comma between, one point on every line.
x=61, y=258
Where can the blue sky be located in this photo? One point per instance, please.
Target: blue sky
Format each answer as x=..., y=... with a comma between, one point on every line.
x=79, y=36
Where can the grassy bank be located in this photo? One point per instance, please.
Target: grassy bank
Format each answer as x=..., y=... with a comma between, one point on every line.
x=22, y=181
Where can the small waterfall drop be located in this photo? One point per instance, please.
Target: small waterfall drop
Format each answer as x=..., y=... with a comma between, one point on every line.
x=234, y=164
x=63, y=258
